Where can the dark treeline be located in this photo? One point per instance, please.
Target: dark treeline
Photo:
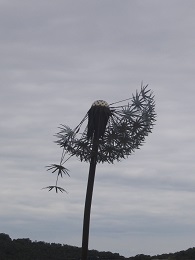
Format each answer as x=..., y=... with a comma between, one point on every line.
x=25, y=249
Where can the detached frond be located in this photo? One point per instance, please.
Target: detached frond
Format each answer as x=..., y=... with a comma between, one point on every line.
x=57, y=188
x=61, y=169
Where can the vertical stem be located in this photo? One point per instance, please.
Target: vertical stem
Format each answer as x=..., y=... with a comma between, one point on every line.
x=88, y=200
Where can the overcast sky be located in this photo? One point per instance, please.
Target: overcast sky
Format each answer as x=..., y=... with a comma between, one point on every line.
x=57, y=58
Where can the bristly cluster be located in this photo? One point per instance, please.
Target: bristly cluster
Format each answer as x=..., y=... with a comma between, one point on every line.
x=123, y=129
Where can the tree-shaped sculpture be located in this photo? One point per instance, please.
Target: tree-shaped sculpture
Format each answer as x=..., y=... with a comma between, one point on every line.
x=113, y=132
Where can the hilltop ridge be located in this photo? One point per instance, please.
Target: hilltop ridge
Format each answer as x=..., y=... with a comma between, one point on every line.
x=25, y=249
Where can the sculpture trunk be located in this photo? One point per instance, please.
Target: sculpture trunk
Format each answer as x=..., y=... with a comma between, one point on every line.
x=88, y=200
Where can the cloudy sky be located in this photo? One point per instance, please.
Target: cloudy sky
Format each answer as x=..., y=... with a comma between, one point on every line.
x=57, y=57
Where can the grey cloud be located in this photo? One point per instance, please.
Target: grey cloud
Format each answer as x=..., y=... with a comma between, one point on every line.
x=56, y=59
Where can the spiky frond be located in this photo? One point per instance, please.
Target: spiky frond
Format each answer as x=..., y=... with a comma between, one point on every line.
x=119, y=130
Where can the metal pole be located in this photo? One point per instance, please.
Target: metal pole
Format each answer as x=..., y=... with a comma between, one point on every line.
x=88, y=200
